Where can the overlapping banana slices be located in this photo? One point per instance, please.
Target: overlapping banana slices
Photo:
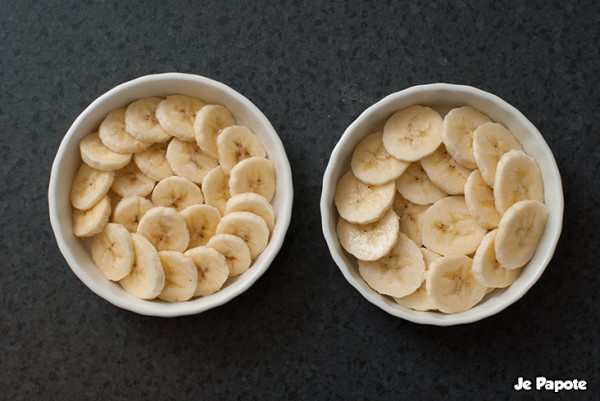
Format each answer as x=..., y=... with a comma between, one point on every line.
x=417, y=205
x=174, y=196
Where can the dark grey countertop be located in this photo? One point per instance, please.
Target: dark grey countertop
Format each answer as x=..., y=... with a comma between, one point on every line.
x=301, y=332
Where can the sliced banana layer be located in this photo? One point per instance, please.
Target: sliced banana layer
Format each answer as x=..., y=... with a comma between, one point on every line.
x=518, y=178
x=176, y=115
x=362, y=203
x=201, y=222
x=176, y=192
x=416, y=186
x=165, y=229
x=412, y=133
x=89, y=186
x=487, y=270
x=255, y=174
x=253, y=203
x=114, y=199
x=129, y=211
x=479, y=198
x=153, y=162
x=445, y=172
x=237, y=143
x=419, y=300
x=457, y=133
x=372, y=164
x=181, y=276
x=115, y=137
x=490, y=142
x=235, y=250
x=96, y=155
x=147, y=277
x=519, y=233
x=87, y=223
x=215, y=188
x=410, y=215
x=141, y=121
x=212, y=268
x=130, y=181
x=112, y=251
x=249, y=227
x=187, y=160
x=210, y=121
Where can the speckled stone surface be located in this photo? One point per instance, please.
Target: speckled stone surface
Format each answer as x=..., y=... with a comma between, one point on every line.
x=301, y=332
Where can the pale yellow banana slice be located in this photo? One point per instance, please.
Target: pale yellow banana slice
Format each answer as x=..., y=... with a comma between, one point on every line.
x=129, y=211
x=518, y=178
x=141, y=121
x=237, y=143
x=187, y=160
x=165, y=229
x=96, y=155
x=479, y=198
x=362, y=203
x=235, y=250
x=89, y=186
x=210, y=121
x=410, y=215
x=212, y=267
x=176, y=114
x=519, y=233
x=369, y=241
x=448, y=227
x=487, y=270
x=372, y=164
x=253, y=203
x=412, y=133
x=181, y=276
x=255, y=174
x=153, y=162
x=215, y=188
x=451, y=286
x=429, y=256
x=92, y=221
x=249, y=227
x=130, y=181
x=112, y=251
x=444, y=172
x=457, y=133
x=115, y=137
x=419, y=300
x=416, y=186
x=177, y=192
x=490, y=142
x=201, y=222
x=147, y=277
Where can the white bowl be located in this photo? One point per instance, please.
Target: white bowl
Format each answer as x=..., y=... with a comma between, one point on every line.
x=443, y=97
x=67, y=161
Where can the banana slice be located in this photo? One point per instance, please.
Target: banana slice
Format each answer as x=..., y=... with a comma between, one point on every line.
x=486, y=268
x=215, y=188
x=176, y=115
x=448, y=227
x=187, y=160
x=457, y=133
x=253, y=203
x=235, y=250
x=361, y=203
x=89, y=186
x=419, y=300
x=181, y=276
x=237, y=143
x=416, y=186
x=490, y=142
x=177, y=192
x=115, y=137
x=141, y=122
x=410, y=215
x=96, y=155
x=212, y=268
x=165, y=229
x=451, y=285
x=153, y=162
x=398, y=274
x=210, y=121
x=130, y=181
x=372, y=164
x=444, y=172
x=369, y=241
x=201, y=222
x=129, y=211
x=147, y=277
x=519, y=233
x=479, y=198
x=112, y=251
x=92, y=221
x=412, y=133
x=249, y=227
x=518, y=178
x=255, y=174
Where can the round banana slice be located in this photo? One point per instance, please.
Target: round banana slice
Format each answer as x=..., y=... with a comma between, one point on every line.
x=181, y=276
x=457, y=133
x=451, y=285
x=237, y=143
x=487, y=270
x=369, y=241
x=362, y=203
x=249, y=227
x=410, y=215
x=215, y=188
x=253, y=203
x=96, y=155
x=165, y=229
x=177, y=192
x=519, y=233
x=210, y=121
x=92, y=221
x=255, y=174
x=115, y=137
x=445, y=172
x=130, y=181
x=235, y=250
x=129, y=211
x=416, y=186
x=89, y=186
x=412, y=133
x=147, y=277
x=153, y=162
x=448, y=227
x=490, y=142
x=398, y=274
x=212, y=267
x=187, y=160
x=112, y=251
x=518, y=178
x=419, y=300
x=479, y=198
x=372, y=164
x=176, y=115
x=141, y=122
x=201, y=222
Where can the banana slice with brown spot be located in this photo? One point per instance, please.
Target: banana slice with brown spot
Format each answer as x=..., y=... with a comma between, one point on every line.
x=201, y=222
x=255, y=174
x=176, y=115
x=129, y=211
x=87, y=223
x=210, y=122
x=416, y=186
x=165, y=229
x=141, y=121
x=212, y=267
x=187, y=160
x=176, y=192
x=113, y=252
x=96, y=155
x=89, y=186
x=237, y=143
x=130, y=181
x=457, y=133
x=372, y=164
x=518, y=178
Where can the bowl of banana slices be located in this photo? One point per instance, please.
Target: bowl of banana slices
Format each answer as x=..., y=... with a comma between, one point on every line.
x=442, y=204
x=170, y=195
